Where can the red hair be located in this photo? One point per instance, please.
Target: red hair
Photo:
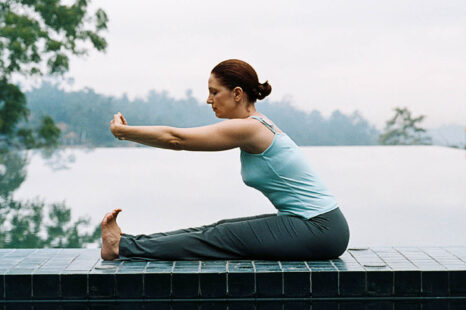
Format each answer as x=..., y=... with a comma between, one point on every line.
x=237, y=73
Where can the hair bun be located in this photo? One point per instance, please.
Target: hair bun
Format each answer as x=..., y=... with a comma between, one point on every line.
x=233, y=73
x=263, y=90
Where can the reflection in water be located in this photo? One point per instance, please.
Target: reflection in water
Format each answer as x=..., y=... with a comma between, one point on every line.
x=275, y=305
x=60, y=160
x=390, y=195
x=33, y=223
x=12, y=172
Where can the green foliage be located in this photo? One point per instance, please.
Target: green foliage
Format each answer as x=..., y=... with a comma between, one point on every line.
x=22, y=225
x=403, y=129
x=12, y=172
x=32, y=32
x=12, y=108
x=37, y=37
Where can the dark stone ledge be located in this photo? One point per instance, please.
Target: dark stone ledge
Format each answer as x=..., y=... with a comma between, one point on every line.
x=382, y=273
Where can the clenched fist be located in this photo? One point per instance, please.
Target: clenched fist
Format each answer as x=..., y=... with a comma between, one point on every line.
x=116, y=124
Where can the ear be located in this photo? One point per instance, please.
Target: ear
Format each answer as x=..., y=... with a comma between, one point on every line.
x=238, y=94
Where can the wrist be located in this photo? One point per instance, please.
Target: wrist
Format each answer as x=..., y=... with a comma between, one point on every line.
x=121, y=132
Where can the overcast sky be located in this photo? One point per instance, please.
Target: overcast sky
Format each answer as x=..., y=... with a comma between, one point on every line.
x=361, y=55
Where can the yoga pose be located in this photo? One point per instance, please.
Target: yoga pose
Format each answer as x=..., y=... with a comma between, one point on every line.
x=309, y=223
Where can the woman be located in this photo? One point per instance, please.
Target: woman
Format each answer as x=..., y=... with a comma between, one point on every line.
x=309, y=223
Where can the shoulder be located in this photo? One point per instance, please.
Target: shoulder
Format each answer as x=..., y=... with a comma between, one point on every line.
x=239, y=125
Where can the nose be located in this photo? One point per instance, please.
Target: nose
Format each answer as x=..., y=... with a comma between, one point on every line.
x=209, y=100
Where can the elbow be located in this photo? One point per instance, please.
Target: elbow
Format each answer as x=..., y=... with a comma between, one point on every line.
x=175, y=140
x=175, y=144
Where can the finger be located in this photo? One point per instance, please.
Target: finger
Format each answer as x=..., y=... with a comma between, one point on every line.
x=123, y=119
x=116, y=119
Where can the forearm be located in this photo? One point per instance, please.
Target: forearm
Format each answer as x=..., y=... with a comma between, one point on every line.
x=156, y=136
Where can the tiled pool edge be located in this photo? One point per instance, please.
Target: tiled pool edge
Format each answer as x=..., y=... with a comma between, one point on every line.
x=376, y=273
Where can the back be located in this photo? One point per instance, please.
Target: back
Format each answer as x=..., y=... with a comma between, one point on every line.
x=284, y=176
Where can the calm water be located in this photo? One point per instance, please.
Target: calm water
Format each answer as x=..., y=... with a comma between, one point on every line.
x=400, y=195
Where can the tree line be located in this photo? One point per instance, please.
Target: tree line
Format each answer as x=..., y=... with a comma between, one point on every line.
x=83, y=117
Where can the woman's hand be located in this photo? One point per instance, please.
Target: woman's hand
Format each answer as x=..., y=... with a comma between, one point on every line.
x=116, y=124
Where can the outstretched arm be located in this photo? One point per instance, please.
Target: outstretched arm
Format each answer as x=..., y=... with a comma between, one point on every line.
x=217, y=137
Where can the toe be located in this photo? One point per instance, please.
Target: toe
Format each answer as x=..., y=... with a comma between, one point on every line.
x=108, y=217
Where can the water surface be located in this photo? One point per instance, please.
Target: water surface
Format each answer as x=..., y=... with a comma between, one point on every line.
x=390, y=195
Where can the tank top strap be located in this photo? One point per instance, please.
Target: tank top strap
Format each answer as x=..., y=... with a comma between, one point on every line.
x=260, y=119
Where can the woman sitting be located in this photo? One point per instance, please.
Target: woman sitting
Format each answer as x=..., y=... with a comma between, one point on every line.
x=309, y=223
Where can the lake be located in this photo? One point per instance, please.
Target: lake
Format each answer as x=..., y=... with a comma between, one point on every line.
x=390, y=195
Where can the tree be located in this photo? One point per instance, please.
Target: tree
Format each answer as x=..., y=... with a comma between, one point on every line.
x=37, y=37
x=403, y=129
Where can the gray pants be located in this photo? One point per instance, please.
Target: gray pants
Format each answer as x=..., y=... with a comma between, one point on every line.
x=266, y=236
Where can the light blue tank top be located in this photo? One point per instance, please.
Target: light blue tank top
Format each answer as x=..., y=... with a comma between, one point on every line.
x=284, y=176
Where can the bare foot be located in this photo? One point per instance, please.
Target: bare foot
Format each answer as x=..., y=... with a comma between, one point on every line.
x=110, y=236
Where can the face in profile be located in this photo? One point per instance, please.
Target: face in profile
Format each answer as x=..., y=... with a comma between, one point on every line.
x=220, y=97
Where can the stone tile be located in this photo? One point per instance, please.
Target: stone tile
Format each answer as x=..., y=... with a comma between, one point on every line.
x=352, y=283
x=157, y=279
x=435, y=283
x=43, y=274
x=322, y=265
x=185, y=279
x=132, y=267
x=457, y=283
x=324, y=283
x=296, y=279
x=74, y=285
x=240, y=279
x=269, y=279
x=18, y=286
x=213, y=285
x=379, y=283
x=46, y=286
x=101, y=284
x=157, y=284
x=343, y=266
x=162, y=266
x=185, y=285
x=213, y=279
x=407, y=283
x=2, y=287
x=129, y=285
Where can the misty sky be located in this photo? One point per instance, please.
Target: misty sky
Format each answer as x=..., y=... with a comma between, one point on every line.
x=369, y=56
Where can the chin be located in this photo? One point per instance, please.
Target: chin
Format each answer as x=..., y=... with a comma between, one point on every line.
x=220, y=115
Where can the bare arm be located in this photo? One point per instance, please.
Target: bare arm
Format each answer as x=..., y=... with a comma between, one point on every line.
x=217, y=137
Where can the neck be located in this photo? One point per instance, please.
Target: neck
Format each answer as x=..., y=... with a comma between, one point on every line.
x=246, y=111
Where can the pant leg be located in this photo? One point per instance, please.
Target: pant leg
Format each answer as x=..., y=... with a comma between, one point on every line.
x=268, y=237
x=204, y=242
x=197, y=229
